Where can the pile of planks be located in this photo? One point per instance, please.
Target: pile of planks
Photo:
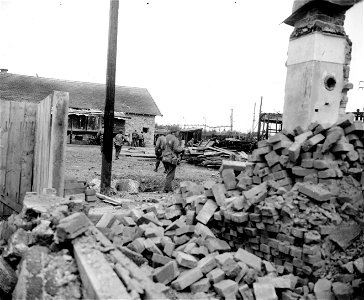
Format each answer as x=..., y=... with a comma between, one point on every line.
x=211, y=156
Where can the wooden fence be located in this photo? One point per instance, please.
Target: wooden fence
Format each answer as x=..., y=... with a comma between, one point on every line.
x=32, y=147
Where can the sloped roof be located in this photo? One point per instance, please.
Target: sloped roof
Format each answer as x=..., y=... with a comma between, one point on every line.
x=82, y=94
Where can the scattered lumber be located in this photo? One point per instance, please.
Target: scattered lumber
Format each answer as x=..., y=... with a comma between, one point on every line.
x=211, y=156
x=109, y=199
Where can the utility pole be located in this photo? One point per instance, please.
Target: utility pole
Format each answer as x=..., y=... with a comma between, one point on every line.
x=260, y=111
x=254, y=117
x=231, y=120
x=110, y=97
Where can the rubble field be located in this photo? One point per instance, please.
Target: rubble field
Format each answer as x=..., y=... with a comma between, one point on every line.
x=287, y=224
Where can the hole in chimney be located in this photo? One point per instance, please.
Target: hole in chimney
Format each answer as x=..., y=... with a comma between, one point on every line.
x=327, y=103
x=330, y=82
x=316, y=109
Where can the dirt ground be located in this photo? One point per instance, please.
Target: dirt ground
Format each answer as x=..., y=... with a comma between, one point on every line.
x=84, y=163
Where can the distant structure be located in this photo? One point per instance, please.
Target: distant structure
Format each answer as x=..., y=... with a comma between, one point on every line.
x=318, y=63
x=135, y=109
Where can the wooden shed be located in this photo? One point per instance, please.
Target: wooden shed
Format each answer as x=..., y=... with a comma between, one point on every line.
x=135, y=109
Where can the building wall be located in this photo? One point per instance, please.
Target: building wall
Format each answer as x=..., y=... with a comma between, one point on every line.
x=138, y=122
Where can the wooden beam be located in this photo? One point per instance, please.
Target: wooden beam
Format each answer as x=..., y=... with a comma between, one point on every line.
x=60, y=101
x=110, y=97
x=98, y=277
x=108, y=199
x=11, y=203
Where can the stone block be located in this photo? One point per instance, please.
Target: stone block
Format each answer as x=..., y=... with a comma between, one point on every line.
x=137, y=245
x=342, y=291
x=264, y=291
x=226, y=288
x=322, y=290
x=278, y=137
x=261, y=188
x=245, y=292
x=234, y=165
x=151, y=247
x=294, y=151
x=303, y=137
x=272, y=158
x=207, y=264
x=216, y=275
x=302, y=172
x=359, y=265
x=315, y=192
x=187, y=278
x=214, y=244
x=166, y=273
x=219, y=191
x=280, y=175
x=282, y=145
x=229, y=180
x=262, y=150
x=202, y=285
x=161, y=259
x=224, y=259
x=186, y=260
x=313, y=141
x=239, y=217
x=72, y=226
x=207, y=211
x=169, y=248
x=203, y=231
x=249, y=259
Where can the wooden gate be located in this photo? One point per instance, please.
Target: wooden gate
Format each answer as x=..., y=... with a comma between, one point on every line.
x=32, y=146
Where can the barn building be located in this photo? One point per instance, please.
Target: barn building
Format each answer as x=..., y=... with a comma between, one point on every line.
x=135, y=108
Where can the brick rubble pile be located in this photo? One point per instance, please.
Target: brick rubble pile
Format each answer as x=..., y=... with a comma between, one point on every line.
x=285, y=225
x=288, y=224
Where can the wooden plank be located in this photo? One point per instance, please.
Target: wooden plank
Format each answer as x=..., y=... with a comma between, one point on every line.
x=221, y=150
x=109, y=199
x=15, y=146
x=4, y=134
x=27, y=157
x=98, y=278
x=60, y=101
x=41, y=151
x=11, y=204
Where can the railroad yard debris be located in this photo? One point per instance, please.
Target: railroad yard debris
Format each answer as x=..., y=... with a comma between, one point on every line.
x=287, y=224
x=211, y=156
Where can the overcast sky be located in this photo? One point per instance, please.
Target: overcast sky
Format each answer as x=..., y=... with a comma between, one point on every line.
x=198, y=58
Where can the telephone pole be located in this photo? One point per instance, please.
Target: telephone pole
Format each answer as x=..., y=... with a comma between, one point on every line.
x=260, y=112
x=110, y=97
x=254, y=118
x=231, y=120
